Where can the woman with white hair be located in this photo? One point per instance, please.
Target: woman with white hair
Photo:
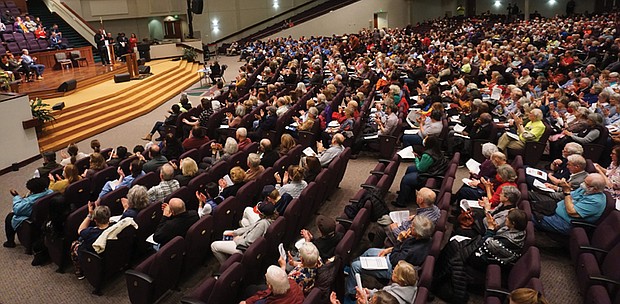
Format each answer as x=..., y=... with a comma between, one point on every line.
x=532, y=131
x=280, y=289
x=412, y=246
x=304, y=271
x=255, y=169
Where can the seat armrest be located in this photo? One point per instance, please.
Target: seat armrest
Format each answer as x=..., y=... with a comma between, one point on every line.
x=496, y=292
x=605, y=280
x=367, y=186
x=187, y=300
x=582, y=224
x=354, y=201
x=377, y=172
x=344, y=221
x=140, y=276
x=590, y=248
x=384, y=161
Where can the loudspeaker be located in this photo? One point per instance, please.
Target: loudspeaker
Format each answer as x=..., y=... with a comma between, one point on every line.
x=122, y=77
x=143, y=69
x=58, y=106
x=68, y=85
x=197, y=6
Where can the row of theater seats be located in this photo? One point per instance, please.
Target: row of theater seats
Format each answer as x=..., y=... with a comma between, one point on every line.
x=246, y=268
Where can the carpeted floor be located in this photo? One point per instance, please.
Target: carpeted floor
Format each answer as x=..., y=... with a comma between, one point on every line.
x=22, y=283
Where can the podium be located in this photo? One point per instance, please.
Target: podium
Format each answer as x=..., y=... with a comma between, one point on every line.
x=111, y=55
x=132, y=64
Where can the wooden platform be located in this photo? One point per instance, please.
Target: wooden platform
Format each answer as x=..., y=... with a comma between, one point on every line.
x=85, y=76
x=99, y=107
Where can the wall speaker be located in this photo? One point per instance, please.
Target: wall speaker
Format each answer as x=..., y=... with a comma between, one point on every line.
x=143, y=69
x=68, y=85
x=122, y=77
x=197, y=6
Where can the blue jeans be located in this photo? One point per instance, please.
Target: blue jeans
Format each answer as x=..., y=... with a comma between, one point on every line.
x=407, y=186
x=553, y=223
x=412, y=140
x=356, y=267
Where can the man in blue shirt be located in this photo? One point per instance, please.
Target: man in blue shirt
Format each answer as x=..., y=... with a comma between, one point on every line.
x=586, y=203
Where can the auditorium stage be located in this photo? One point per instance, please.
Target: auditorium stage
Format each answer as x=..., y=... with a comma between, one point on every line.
x=105, y=104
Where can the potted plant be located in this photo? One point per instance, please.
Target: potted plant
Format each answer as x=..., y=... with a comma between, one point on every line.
x=41, y=113
x=189, y=54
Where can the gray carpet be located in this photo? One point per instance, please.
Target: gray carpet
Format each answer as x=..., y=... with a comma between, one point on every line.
x=23, y=283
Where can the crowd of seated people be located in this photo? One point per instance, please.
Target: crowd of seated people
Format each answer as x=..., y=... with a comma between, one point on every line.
x=528, y=81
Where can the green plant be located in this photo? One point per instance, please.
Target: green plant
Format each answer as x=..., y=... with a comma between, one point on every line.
x=189, y=54
x=41, y=110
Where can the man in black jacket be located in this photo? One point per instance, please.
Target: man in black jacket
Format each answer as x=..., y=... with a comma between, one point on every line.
x=101, y=47
x=175, y=222
x=269, y=156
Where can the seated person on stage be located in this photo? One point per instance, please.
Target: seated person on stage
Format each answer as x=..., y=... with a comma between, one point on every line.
x=327, y=155
x=30, y=63
x=196, y=139
x=166, y=186
x=88, y=234
x=545, y=202
x=432, y=162
x=10, y=67
x=175, y=221
x=586, y=203
x=22, y=207
x=280, y=289
x=329, y=238
x=412, y=246
x=532, y=131
x=171, y=120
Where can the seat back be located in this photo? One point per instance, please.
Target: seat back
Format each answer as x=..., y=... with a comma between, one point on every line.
x=148, y=180
x=100, y=178
x=527, y=267
x=224, y=215
x=426, y=275
x=113, y=200
x=193, y=154
x=82, y=164
x=186, y=195
x=147, y=220
x=77, y=194
x=198, y=241
x=601, y=238
x=247, y=194
x=345, y=246
x=228, y=285
x=274, y=236
x=60, y=57
x=293, y=213
x=253, y=258
x=124, y=164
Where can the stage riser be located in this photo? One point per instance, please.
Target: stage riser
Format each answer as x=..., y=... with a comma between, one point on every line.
x=95, y=106
x=119, y=110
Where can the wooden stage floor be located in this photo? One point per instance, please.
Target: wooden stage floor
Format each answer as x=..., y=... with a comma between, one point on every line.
x=53, y=78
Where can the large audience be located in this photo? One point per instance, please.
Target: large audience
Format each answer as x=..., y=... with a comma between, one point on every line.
x=442, y=87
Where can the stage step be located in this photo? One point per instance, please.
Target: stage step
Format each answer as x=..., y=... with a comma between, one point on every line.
x=81, y=122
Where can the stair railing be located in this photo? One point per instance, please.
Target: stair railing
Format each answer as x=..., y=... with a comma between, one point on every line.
x=73, y=19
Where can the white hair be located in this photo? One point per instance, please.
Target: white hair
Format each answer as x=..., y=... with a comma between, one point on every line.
x=277, y=278
x=488, y=149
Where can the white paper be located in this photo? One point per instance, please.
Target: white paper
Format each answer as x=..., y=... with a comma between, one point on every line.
x=411, y=131
x=461, y=135
x=333, y=124
x=496, y=93
x=358, y=280
x=224, y=127
x=114, y=184
x=459, y=238
x=299, y=243
x=495, y=120
x=399, y=217
x=467, y=204
x=618, y=204
x=374, y=263
x=536, y=173
x=466, y=181
x=512, y=135
x=540, y=185
x=151, y=240
x=115, y=218
x=459, y=129
x=411, y=124
x=473, y=166
x=444, y=83
x=406, y=153
x=228, y=180
x=282, y=251
x=309, y=152
x=369, y=137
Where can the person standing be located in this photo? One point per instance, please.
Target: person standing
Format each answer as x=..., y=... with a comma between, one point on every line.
x=101, y=47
